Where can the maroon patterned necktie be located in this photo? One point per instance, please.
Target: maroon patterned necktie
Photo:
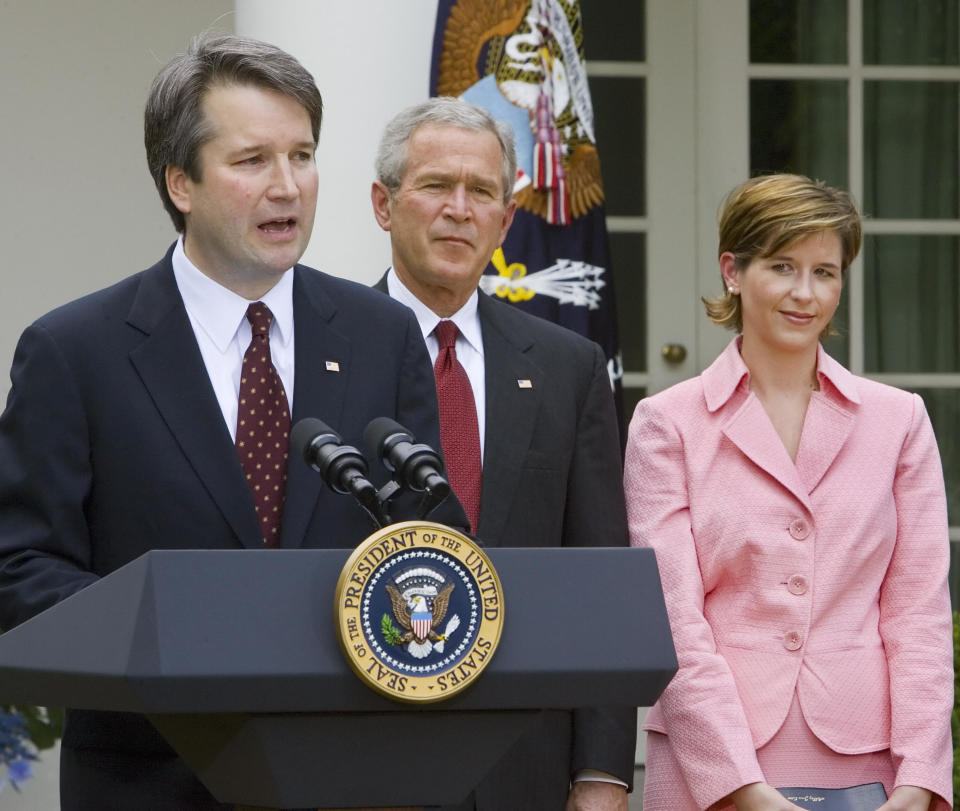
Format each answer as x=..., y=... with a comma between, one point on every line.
x=459, y=431
x=263, y=425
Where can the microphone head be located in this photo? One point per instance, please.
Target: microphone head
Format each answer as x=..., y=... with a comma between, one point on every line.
x=380, y=430
x=304, y=436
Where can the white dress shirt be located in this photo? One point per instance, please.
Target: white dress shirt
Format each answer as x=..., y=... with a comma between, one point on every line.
x=219, y=320
x=469, y=345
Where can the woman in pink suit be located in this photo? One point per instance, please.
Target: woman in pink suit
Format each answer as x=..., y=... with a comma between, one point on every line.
x=799, y=520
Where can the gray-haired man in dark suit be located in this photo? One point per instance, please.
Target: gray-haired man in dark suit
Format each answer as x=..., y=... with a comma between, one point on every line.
x=548, y=441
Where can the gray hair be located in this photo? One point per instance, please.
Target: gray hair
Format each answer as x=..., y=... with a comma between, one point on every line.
x=392, y=154
x=174, y=126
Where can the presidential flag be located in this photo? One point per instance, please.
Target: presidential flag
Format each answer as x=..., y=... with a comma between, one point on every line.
x=523, y=61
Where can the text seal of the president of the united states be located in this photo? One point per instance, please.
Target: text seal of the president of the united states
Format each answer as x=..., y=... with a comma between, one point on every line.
x=419, y=611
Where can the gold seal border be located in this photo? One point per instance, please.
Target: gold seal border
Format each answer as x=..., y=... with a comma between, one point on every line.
x=368, y=556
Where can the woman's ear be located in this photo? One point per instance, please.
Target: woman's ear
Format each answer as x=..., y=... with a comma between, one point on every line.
x=729, y=271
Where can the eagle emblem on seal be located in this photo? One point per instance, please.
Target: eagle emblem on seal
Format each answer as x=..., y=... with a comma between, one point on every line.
x=419, y=598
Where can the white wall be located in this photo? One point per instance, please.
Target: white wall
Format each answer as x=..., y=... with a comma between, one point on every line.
x=42, y=791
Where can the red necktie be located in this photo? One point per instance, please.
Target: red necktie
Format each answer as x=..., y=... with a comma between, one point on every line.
x=263, y=425
x=459, y=433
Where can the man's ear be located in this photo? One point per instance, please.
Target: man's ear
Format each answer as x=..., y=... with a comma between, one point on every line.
x=508, y=218
x=380, y=197
x=180, y=188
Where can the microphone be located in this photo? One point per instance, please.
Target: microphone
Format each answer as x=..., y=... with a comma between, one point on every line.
x=416, y=466
x=322, y=448
x=342, y=467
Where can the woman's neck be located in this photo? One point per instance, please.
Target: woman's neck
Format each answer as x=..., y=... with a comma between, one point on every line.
x=783, y=383
x=779, y=372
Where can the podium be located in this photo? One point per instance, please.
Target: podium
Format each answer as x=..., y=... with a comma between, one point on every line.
x=233, y=655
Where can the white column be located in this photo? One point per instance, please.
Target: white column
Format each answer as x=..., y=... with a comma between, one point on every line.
x=370, y=59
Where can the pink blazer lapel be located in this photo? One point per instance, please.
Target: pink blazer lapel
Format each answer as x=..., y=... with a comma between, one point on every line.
x=749, y=428
x=752, y=432
x=825, y=430
x=827, y=424
x=829, y=420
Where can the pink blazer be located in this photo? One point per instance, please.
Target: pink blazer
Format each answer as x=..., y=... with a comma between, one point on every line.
x=826, y=577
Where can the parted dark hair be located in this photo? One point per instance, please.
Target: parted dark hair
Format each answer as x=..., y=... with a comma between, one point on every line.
x=767, y=213
x=174, y=125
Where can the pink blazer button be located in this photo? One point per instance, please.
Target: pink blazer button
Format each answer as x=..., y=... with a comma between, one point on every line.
x=798, y=584
x=792, y=641
x=799, y=528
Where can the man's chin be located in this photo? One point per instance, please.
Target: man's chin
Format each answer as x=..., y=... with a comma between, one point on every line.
x=275, y=262
x=458, y=274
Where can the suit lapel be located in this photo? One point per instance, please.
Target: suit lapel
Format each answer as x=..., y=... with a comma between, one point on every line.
x=825, y=430
x=322, y=369
x=752, y=432
x=511, y=413
x=168, y=362
x=829, y=420
x=826, y=425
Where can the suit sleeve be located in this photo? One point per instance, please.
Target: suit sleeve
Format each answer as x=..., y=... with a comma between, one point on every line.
x=604, y=738
x=417, y=411
x=915, y=618
x=700, y=708
x=44, y=479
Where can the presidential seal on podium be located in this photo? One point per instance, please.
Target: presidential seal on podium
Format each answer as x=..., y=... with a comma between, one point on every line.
x=419, y=611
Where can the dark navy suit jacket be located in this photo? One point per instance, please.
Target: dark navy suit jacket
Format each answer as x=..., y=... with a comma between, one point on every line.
x=113, y=443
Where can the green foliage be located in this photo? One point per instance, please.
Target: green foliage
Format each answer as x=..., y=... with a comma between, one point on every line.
x=44, y=725
x=390, y=631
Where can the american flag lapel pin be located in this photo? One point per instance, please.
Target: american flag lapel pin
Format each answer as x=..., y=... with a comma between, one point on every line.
x=523, y=383
x=332, y=366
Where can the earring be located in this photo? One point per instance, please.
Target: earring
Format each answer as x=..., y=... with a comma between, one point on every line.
x=731, y=289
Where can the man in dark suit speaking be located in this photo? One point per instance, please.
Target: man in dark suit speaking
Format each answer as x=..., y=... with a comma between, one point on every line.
x=528, y=422
x=154, y=414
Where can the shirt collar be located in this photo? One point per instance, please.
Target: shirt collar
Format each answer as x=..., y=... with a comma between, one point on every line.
x=466, y=318
x=725, y=375
x=219, y=312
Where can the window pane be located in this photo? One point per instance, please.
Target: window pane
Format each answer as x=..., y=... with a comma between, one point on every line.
x=838, y=346
x=614, y=30
x=799, y=126
x=798, y=31
x=628, y=254
x=619, y=110
x=910, y=150
x=943, y=406
x=910, y=32
x=911, y=304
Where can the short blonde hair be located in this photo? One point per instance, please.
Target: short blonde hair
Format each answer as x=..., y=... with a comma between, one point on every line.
x=760, y=217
